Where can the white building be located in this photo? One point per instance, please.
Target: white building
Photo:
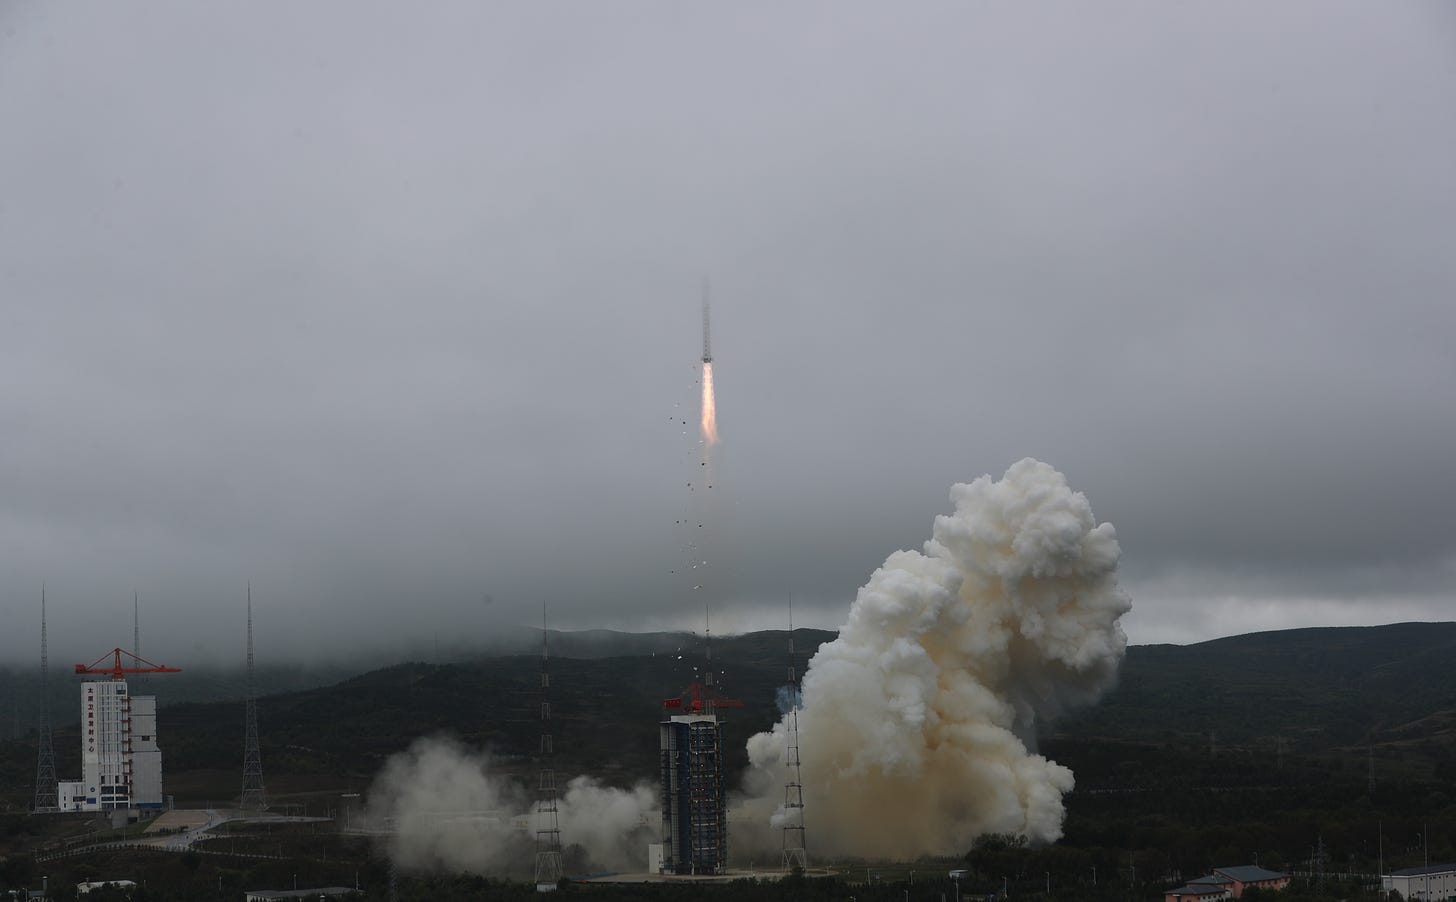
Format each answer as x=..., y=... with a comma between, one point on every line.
x=121, y=766
x=1435, y=882
x=84, y=888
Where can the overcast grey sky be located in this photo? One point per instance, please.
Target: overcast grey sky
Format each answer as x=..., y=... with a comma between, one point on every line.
x=392, y=308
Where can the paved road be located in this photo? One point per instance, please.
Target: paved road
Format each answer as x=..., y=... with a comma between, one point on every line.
x=196, y=829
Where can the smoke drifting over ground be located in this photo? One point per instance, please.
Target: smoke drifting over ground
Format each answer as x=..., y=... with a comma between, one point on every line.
x=918, y=726
x=444, y=809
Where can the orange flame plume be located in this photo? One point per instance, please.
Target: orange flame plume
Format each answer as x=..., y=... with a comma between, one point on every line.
x=710, y=416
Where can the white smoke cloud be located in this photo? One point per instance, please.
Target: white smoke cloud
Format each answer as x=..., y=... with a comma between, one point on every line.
x=918, y=727
x=614, y=825
x=441, y=807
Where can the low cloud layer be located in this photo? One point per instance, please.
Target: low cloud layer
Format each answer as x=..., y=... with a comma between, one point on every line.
x=388, y=340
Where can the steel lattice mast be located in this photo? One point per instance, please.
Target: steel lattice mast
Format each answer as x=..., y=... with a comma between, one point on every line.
x=136, y=628
x=252, y=798
x=796, y=854
x=46, y=798
x=548, y=829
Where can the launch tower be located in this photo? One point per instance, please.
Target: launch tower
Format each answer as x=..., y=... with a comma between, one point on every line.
x=694, y=813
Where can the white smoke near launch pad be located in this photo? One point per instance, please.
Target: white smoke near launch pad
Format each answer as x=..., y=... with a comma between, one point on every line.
x=440, y=806
x=918, y=723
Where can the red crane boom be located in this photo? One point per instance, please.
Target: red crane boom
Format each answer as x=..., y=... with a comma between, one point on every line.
x=698, y=699
x=117, y=668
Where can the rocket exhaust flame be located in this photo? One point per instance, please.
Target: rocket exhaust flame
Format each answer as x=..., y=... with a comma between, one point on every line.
x=710, y=415
x=918, y=723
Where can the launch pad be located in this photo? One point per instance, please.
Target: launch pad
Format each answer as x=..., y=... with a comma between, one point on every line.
x=727, y=876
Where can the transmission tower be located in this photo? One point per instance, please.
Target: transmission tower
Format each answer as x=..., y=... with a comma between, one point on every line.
x=252, y=798
x=46, y=799
x=548, y=830
x=795, y=852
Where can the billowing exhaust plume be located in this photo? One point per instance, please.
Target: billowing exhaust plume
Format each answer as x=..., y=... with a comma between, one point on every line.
x=438, y=806
x=918, y=723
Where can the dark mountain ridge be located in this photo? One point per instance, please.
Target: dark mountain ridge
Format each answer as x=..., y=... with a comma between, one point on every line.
x=1321, y=687
x=1319, y=691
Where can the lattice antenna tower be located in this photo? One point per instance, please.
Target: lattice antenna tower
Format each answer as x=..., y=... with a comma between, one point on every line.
x=548, y=829
x=708, y=654
x=252, y=798
x=796, y=854
x=136, y=628
x=1319, y=862
x=46, y=798
x=708, y=681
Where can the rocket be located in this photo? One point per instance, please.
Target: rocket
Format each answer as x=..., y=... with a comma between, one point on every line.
x=710, y=416
x=707, y=334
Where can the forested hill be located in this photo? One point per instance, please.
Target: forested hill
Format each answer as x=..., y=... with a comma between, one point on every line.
x=1315, y=689
x=1307, y=691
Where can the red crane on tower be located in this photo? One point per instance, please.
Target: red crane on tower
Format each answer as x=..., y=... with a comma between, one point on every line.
x=700, y=699
x=117, y=670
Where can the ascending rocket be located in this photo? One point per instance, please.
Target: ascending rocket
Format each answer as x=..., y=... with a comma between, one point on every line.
x=707, y=335
x=710, y=415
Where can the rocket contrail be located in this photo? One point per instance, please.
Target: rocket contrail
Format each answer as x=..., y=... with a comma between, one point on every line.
x=710, y=415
